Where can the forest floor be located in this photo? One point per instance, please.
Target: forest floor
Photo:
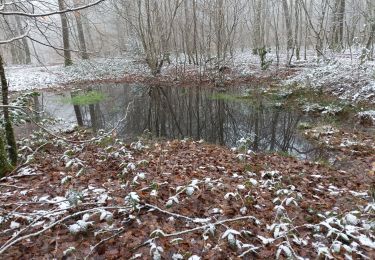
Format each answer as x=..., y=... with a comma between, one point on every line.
x=185, y=199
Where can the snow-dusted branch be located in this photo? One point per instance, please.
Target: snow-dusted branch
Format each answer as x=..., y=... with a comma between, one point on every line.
x=67, y=10
x=19, y=37
x=14, y=241
x=121, y=230
x=27, y=110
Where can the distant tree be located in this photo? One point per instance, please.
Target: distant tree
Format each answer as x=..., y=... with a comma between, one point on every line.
x=65, y=35
x=9, y=143
x=81, y=34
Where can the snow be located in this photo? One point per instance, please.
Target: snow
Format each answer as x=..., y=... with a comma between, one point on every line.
x=79, y=227
x=189, y=190
x=342, y=76
x=367, y=115
x=243, y=210
x=69, y=251
x=25, y=171
x=132, y=197
x=366, y=241
x=177, y=257
x=106, y=215
x=230, y=232
x=62, y=202
x=265, y=240
x=14, y=225
x=254, y=182
x=23, y=78
x=66, y=179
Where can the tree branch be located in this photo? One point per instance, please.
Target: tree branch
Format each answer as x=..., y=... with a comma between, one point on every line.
x=67, y=10
x=17, y=37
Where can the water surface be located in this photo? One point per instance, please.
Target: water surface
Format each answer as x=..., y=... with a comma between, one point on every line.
x=177, y=112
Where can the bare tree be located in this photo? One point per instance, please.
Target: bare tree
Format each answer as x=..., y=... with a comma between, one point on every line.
x=23, y=35
x=65, y=35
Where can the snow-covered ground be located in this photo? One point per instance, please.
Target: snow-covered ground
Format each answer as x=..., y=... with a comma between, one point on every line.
x=343, y=76
x=22, y=78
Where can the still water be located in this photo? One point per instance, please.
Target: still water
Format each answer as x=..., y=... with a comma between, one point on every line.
x=178, y=112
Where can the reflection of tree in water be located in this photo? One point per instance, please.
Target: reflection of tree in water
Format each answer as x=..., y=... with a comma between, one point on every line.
x=192, y=112
x=175, y=113
x=77, y=110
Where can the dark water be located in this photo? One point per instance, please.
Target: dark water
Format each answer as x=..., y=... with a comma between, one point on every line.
x=195, y=112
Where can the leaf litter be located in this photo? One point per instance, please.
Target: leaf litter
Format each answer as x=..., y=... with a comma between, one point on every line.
x=182, y=200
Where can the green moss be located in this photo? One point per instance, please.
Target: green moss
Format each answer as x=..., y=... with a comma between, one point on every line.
x=5, y=166
x=304, y=126
x=284, y=154
x=89, y=98
x=106, y=141
x=11, y=141
x=323, y=161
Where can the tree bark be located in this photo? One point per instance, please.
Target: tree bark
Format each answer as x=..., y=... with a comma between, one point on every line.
x=9, y=133
x=25, y=44
x=288, y=25
x=65, y=34
x=338, y=25
x=81, y=34
x=5, y=166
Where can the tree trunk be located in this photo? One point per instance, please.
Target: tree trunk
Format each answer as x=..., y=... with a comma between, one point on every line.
x=81, y=34
x=370, y=41
x=5, y=167
x=195, y=33
x=9, y=133
x=298, y=24
x=338, y=25
x=340, y=20
x=25, y=44
x=65, y=34
x=259, y=37
x=288, y=25
x=77, y=111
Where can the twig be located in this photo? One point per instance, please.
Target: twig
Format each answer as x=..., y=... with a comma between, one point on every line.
x=251, y=250
x=104, y=240
x=27, y=110
x=19, y=37
x=20, y=176
x=10, y=243
x=27, y=162
x=45, y=14
x=11, y=186
x=208, y=225
x=195, y=220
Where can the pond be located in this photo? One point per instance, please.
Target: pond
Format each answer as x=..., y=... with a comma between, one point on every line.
x=216, y=116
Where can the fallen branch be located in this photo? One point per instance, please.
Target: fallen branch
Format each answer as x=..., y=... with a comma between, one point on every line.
x=10, y=243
